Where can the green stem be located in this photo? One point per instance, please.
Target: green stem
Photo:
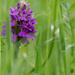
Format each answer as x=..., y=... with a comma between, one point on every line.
x=48, y=31
x=62, y=40
x=73, y=48
x=38, y=63
x=0, y=53
x=17, y=45
x=0, y=38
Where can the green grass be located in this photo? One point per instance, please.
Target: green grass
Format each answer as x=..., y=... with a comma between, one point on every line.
x=0, y=37
x=53, y=51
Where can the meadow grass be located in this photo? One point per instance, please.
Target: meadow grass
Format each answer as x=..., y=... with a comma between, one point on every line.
x=53, y=51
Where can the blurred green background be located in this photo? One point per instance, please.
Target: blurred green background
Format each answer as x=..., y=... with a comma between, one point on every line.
x=56, y=45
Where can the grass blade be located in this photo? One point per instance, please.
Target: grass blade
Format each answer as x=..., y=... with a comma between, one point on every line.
x=38, y=63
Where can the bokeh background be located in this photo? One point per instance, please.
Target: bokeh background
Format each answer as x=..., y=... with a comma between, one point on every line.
x=55, y=40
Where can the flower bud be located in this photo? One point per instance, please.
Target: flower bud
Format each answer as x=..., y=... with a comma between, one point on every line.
x=18, y=5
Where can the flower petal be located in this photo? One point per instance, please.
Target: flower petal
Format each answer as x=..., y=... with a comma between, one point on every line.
x=3, y=32
x=12, y=23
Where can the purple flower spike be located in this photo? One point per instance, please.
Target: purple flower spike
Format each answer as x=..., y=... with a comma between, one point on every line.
x=21, y=23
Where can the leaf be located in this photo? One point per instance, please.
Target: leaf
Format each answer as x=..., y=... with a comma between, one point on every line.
x=65, y=8
x=68, y=5
x=38, y=64
x=72, y=6
x=2, y=43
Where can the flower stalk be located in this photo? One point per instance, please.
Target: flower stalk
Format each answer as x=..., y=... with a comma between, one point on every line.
x=16, y=52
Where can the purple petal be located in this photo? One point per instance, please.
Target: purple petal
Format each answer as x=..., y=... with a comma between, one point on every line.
x=3, y=32
x=18, y=5
x=21, y=18
x=27, y=4
x=33, y=19
x=23, y=34
x=30, y=11
x=12, y=23
x=20, y=33
x=34, y=23
x=12, y=9
x=23, y=26
x=19, y=12
x=29, y=14
x=15, y=9
x=18, y=19
x=31, y=36
x=3, y=27
x=13, y=17
x=24, y=12
x=24, y=7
